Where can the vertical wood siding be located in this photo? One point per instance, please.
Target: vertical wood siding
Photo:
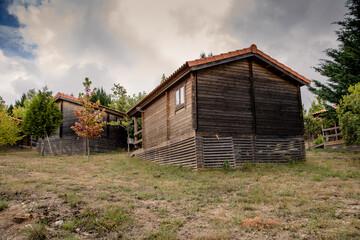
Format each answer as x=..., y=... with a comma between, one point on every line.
x=277, y=107
x=154, y=131
x=239, y=112
x=180, y=121
x=224, y=98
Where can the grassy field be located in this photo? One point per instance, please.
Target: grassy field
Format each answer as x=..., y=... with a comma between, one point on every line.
x=114, y=196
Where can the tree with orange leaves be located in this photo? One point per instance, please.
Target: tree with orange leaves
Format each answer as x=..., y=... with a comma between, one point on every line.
x=90, y=123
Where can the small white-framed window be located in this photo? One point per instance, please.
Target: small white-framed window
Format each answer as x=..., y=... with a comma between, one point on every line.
x=180, y=97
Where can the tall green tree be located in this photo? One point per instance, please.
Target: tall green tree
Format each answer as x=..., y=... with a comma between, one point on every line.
x=42, y=117
x=349, y=115
x=119, y=98
x=121, y=101
x=101, y=95
x=90, y=123
x=10, y=130
x=19, y=110
x=342, y=68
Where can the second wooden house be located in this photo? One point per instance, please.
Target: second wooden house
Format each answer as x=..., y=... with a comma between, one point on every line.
x=242, y=106
x=65, y=141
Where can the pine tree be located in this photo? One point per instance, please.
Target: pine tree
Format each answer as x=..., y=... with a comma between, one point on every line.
x=90, y=123
x=343, y=67
x=42, y=117
x=163, y=78
x=101, y=95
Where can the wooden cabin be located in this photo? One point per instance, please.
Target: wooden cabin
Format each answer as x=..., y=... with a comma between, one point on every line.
x=238, y=107
x=67, y=142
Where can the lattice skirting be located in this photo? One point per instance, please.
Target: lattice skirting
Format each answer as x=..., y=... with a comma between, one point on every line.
x=213, y=151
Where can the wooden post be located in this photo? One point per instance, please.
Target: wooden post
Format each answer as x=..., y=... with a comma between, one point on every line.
x=135, y=131
x=336, y=132
x=167, y=116
x=194, y=101
x=253, y=111
x=62, y=118
x=143, y=129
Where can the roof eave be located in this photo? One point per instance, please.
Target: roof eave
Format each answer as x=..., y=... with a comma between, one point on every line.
x=135, y=110
x=108, y=110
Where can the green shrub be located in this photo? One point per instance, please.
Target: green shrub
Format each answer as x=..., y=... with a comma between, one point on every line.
x=69, y=225
x=103, y=220
x=226, y=166
x=3, y=205
x=319, y=140
x=36, y=231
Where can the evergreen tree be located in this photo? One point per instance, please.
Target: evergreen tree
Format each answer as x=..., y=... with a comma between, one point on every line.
x=42, y=117
x=19, y=110
x=101, y=95
x=163, y=78
x=121, y=101
x=343, y=68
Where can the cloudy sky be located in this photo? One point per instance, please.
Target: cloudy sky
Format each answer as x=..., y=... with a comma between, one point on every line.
x=58, y=43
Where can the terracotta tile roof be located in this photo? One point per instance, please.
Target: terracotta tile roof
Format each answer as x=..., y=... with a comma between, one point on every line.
x=251, y=49
x=62, y=95
x=187, y=65
x=322, y=111
x=16, y=119
x=75, y=99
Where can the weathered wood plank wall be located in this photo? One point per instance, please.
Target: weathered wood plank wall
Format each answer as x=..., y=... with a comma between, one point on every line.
x=223, y=94
x=239, y=112
x=276, y=104
x=65, y=141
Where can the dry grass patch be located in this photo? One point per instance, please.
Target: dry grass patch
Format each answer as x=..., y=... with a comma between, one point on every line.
x=259, y=223
x=114, y=196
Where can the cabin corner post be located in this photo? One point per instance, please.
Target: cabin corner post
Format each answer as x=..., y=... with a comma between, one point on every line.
x=143, y=130
x=194, y=99
x=199, y=152
x=253, y=111
x=135, y=131
x=167, y=109
x=302, y=148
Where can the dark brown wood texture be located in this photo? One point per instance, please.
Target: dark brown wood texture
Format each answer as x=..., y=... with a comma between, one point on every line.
x=240, y=112
x=223, y=98
x=277, y=107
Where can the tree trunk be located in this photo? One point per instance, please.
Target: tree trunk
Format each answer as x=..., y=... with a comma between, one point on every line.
x=128, y=144
x=309, y=142
x=43, y=147
x=88, y=149
x=47, y=137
